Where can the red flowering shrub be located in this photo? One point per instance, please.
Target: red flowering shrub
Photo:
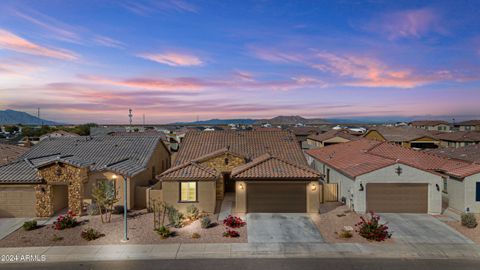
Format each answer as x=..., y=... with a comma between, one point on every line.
x=66, y=221
x=371, y=229
x=233, y=222
x=231, y=233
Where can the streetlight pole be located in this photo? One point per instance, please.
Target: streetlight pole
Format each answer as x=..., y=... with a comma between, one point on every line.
x=125, y=228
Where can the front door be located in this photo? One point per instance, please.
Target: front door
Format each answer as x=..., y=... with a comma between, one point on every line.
x=229, y=183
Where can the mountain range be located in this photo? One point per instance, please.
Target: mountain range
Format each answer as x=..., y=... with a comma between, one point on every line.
x=11, y=117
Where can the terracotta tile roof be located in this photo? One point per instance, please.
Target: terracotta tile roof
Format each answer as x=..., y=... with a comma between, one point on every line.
x=332, y=134
x=249, y=144
x=468, y=153
x=402, y=134
x=189, y=171
x=270, y=167
x=9, y=153
x=469, y=123
x=217, y=153
x=429, y=123
x=359, y=157
x=305, y=131
x=460, y=136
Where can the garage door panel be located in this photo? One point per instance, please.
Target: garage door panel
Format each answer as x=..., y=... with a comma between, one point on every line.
x=17, y=202
x=397, y=198
x=276, y=197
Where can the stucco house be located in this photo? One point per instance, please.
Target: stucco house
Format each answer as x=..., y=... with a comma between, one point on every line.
x=61, y=172
x=384, y=177
x=265, y=171
x=458, y=138
x=330, y=137
x=405, y=136
x=432, y=125
x=470, y=125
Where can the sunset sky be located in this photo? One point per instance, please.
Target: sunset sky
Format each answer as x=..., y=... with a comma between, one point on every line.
x=174, y=60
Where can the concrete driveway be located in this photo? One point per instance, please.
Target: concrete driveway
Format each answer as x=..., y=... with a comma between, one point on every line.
x=422, y=228
x=9, y=225
x=282, y=228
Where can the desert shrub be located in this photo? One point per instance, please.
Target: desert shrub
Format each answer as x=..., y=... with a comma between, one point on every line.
x=93, y=210
x=164, y=232
x=91, y=234
x=176, y=218
x=205, y=222
x=192, y=212
x=469, y=220
x=105, y=196
x=195, y=235
x=231, y=233
x=30, y=225
x=66, y=221
x=56, y=238
x=233, y=222
x=118, y=210
x=345, y=234
x=371, y=229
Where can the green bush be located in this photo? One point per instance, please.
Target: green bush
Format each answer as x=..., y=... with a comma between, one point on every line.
x=205, y=222
x=30, y=225
x=469, y=220
x=192, y=212
x=370, y=228
x=176, y=218
x=91, y=234
x=164, y=232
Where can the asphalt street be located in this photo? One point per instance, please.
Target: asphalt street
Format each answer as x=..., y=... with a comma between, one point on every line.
x=264, y=264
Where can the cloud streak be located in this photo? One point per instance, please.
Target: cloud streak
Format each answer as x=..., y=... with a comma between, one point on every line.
x=173, y=59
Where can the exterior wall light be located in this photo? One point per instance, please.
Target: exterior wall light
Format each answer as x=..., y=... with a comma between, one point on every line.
x=241, y=186
x=438, y=187
x=314, y=187
x=361, y=187
x=114, y=177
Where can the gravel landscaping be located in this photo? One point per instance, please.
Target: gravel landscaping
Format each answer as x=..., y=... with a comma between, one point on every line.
x=332, y=219
x=140, y=231
x=472, y=234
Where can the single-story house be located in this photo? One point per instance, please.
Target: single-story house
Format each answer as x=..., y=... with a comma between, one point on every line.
x=302, y=133
x=470, y=153
x=405, y=136
x=470, y=125
x=458, y=138
x=330, y=137
x=10, y=152
x=433, y=125
x=384, y=177
x=265, y=171
x=58, y=134
x=61, y=172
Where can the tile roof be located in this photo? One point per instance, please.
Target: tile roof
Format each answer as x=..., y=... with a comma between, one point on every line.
x=18, y=172
x=305, y=131
x=429, y=123
x=402, y=134
x=121, y=154
x=359, y=157
x=152, y=133
x=469, y=123
x=249, y=144
x=10, y=152
x=332, y=134
x=460, y=136
x=271, y=167
x=468, y=153
x=189, y=171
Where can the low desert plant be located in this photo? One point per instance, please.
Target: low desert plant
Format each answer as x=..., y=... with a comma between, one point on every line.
x=93, y=210
x=371, y=229
x=30, y=225
x=176, y=218
x=91, y=234
x=66, y=221
x=233, y=222
x=195, y=235
x=192, y=212
x=231, y=233
x=118, y=210
x=205, y=222
x=164, y=232
x=345, y=234
x=56, y=238
x=469, y=220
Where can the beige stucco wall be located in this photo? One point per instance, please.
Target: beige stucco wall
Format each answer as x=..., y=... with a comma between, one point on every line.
x=240, y=197
x=318, y=144
x=470, y=190
x=206, y=196
x=456, y=194
x=313, y=197
x=408, y=175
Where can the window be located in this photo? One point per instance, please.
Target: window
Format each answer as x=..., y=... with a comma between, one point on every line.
x=188, y=191
x=328, y=175
x=445, y=183
x=477, y=196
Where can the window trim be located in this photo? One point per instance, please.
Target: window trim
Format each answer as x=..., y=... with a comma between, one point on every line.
x=180, y=192
x=477, y=194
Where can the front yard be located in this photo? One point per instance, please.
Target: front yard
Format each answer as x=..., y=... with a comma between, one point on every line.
x=472, y=234
x=140, y=231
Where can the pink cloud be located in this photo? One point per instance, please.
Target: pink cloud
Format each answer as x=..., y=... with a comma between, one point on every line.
x=10, y=41
x=108, y=42
x=173, y=58
x=18, y=67
x=175, y=84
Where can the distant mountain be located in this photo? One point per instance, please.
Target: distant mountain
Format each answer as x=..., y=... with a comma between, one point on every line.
x=219, y=122
x=292, y=120
x=11, y=117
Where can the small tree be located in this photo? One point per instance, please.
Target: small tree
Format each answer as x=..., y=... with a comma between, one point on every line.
x=159, y=211
x=105, y=196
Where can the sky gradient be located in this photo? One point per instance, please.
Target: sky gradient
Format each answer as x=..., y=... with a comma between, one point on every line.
x=176, y=60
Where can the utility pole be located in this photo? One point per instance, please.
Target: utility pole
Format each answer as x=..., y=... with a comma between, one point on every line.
x=130, y=116
x=143, y=120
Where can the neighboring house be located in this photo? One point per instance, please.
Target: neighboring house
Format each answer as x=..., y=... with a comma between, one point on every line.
x=470, y=125
x=458, y=138
x=265, y=170
x=432, y=125
x=330, y=137
x=301, y=133
x=405, y=136
x=62, y=172
x=58, y=134
x=9, y=152
x=469, y=153
x=384, y=177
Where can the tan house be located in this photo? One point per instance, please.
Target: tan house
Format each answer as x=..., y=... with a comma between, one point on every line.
x=405, y=136
x=432, y=125
x=9, y=152
x=470, y=125
x=61, y=172
x=265, y=171
x=458, y=138
x=330, y=137
x=388, y=178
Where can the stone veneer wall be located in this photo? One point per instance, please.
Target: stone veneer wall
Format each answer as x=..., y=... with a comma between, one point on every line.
x=60, y=174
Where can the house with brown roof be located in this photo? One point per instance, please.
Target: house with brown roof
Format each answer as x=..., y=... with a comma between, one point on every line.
x=330, y=137
x=433, y=125
x=405, y=136
x=265, y=171
x=470, y=125
x=9, y=152
x=385, y=177
x=458, y=138
x=469, y=153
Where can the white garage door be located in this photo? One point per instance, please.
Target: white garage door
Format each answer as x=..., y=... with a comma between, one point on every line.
x=17, y=202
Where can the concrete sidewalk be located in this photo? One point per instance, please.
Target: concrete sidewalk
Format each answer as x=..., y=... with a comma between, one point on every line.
x=279, y=250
